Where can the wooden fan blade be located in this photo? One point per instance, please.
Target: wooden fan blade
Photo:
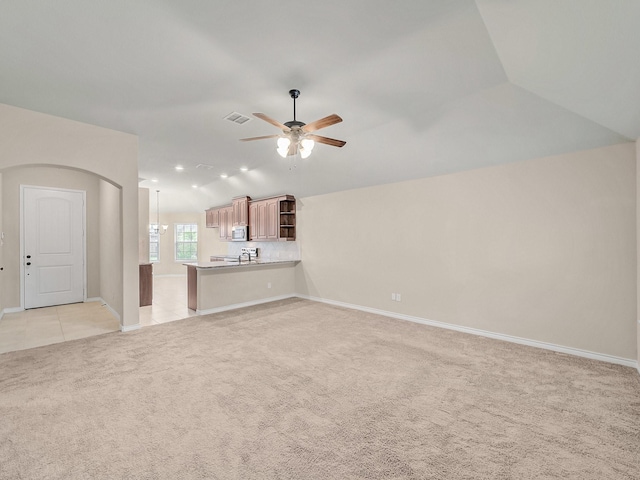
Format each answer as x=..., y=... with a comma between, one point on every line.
x=327, y=141
x=322, y=123
x=273, y=122
x=258, y=138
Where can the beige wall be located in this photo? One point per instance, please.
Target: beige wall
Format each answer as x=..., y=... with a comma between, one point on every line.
x=542, y=249
x=55, y=178
x=31, y=138
x=638, y=248
x=208, y=242
x=2, y=272
x=110, y=245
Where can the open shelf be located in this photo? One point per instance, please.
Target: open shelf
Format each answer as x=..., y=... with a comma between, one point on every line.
x=287, y=220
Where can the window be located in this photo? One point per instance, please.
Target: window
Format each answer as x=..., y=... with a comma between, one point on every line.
x=186, y=241
x=154, y=243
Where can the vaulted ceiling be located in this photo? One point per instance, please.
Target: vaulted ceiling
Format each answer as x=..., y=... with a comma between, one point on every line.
x=424, y=87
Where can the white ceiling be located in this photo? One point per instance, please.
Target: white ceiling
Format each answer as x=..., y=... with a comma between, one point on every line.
x=424, y=87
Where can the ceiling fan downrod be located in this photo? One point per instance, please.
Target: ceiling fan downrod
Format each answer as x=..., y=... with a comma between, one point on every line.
x=294, y=124
x=294, y=94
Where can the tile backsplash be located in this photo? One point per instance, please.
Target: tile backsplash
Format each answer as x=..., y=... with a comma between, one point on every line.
x=269, y=250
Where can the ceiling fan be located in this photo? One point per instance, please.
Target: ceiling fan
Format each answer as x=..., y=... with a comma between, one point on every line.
x=297, y=136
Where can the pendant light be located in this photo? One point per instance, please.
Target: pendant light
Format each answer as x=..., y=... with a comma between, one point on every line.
x=157, y=230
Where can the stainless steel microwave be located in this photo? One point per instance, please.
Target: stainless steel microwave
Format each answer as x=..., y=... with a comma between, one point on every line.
x=240, y=234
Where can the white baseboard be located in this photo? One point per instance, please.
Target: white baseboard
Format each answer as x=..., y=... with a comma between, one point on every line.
x=104, y=304
x=87, y=300
x=130, y=328
x=483, y=333
x=244, y=304
x=115, y=314
x=13, y=310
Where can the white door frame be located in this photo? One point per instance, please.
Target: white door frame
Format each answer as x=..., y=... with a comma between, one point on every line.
x=84, y=238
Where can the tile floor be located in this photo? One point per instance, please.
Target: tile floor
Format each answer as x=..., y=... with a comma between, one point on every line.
x=169, y=301
x=44, y=326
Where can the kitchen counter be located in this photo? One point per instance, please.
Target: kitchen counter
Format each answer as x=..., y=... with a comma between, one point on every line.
x=224, y=285
x=252, y=263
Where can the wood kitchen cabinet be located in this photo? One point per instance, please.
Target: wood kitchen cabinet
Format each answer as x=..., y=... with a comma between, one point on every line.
x=222, y=218
x=226, y=222
x=240, y=207
x=261, y=221
x=270, y=219
x=261, y=216
x=253, y=220
x=273, y=219
x=213, y=217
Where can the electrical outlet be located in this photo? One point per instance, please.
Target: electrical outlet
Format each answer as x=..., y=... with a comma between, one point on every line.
x=393, y=297
x=397, y=297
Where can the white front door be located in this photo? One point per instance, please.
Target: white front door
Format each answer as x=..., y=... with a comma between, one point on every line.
x=52, y=246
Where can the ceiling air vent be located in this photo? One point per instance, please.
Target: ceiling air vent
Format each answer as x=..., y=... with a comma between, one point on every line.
x=204, y=165
x=238, y=118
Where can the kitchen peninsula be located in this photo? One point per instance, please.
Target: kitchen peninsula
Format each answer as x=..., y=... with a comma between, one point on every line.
x=217, y=286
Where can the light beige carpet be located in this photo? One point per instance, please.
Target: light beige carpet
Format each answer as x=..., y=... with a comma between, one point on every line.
x=301, y=390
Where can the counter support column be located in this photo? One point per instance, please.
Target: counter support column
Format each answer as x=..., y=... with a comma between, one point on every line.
x=192, y=287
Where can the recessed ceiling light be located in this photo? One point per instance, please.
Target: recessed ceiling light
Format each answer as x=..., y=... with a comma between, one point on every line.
x=154, y=180
x=224, y=175
x=179, y=168
x=244, y=169
x=194, y=186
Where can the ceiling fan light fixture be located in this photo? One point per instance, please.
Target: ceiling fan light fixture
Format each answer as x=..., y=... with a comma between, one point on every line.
x=283, y=146
x=284, y=142
x=304, y=153
x=295, y=133
x=307, y=144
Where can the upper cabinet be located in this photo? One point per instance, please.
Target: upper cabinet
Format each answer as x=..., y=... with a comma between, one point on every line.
x=263, y=216
x=240, y=211
x=226, y=223
x=270, y=219
x=213, y=217
x=273, y=219
x=253, y=220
